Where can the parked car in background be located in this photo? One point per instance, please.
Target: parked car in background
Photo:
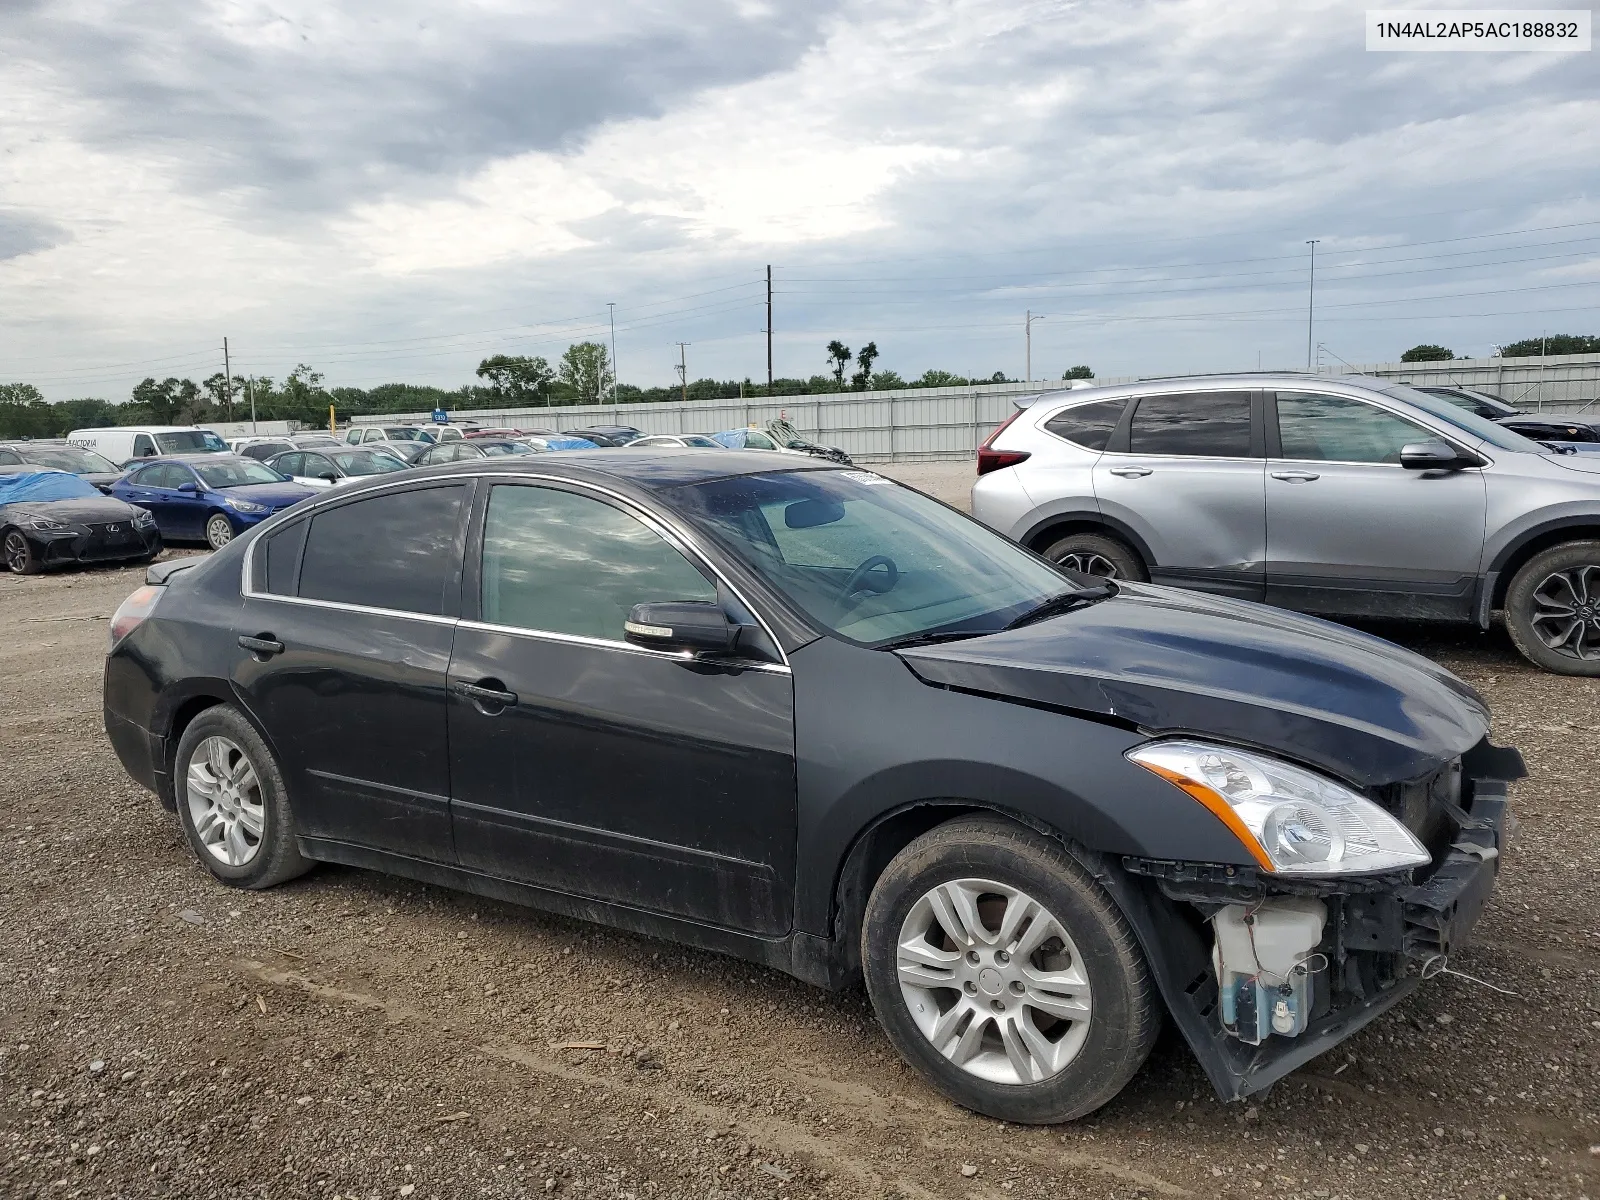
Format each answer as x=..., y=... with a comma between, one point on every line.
x=1542, y=426
x=124, y=443
x=558, y=441
x=745, y=439
x=1342, y=495
x=407, y=452
x=319, y=469
x=316, y=441
x=61, y=455
x=806, y=716
x=680, y=440
x=358, y=434
x=50, y=518
x=607, y=435
x=511, y=433
x=451, y=431
x=788, y=438
x=463, y=450
x=261, y=448
x=208, y=498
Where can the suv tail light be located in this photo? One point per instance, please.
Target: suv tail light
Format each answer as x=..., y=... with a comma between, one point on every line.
x=131, y=613
x=994, y=460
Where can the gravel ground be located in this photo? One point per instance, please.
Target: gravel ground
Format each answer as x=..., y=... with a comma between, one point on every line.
x=355, y=1035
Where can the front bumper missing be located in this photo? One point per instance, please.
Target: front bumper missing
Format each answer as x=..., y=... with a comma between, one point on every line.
x=1384, y=936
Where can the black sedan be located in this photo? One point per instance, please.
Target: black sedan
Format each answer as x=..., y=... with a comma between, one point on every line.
x=809, y=717
x=50, y=518
x=1540, y=426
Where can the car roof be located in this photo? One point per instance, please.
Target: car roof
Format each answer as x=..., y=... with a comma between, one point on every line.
x=1221, y=382
x=195, y=458
x=24, y=443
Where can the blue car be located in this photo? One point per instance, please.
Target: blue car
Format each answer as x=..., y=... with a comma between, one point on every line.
x=207, y=497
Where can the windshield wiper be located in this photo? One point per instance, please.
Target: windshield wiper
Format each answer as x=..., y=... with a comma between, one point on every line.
x=931, y=639
x=1065, y=602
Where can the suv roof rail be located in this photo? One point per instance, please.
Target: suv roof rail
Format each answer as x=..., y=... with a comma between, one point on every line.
x=1217, y=374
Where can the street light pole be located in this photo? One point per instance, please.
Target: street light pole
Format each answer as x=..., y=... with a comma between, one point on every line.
x=611, y=304
x=683, y=371
x=1311, y=298
x=1028, y=339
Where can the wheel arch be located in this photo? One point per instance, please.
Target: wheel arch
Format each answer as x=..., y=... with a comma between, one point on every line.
x=1512, y=557
x=1053, y=528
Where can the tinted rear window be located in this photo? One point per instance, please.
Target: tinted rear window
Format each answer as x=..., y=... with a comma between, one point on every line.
x=283, y=556
x=1088, y=425
x=397, y=550
x=1212, y=424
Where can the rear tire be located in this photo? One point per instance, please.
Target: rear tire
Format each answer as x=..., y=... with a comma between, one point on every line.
x=233, y=804
x=1047, y=1036
x=1552, y=609
x=20, y=557
x=1097, y=554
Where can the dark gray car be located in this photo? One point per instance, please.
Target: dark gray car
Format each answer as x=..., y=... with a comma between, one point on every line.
x=1347, y=496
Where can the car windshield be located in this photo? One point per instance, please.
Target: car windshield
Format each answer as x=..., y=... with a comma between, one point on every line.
x=366, y=462
x=868, y=559
x=70, y=458
x=190, y=441
x=1472, y=402
x=407, y=433
x=1469, y=422
x=700, y=439
x=501, y=449
x=622, y=437
x=236, y=473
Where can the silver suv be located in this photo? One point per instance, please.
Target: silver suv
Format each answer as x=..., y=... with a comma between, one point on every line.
x=1342, y=495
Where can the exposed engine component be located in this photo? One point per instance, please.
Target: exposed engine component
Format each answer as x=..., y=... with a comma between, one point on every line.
x=1261, y=959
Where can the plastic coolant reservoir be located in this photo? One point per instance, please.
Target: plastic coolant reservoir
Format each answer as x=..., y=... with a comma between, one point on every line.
x=1259, y=956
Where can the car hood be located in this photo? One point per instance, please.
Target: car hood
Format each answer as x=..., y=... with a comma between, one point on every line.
x=90, y=510
x=274, y=494
x=1588, y=463
x=1169, y=661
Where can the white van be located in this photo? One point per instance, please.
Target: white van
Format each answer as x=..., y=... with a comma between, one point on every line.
x=123, y=443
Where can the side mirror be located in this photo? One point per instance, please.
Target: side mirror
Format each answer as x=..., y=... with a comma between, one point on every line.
x=188, y=487
x=694, y=625
x=1434, y=456
x=329, y=476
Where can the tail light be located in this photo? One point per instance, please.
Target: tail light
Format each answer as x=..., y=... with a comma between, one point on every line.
x=993, y=460
x=131, y=613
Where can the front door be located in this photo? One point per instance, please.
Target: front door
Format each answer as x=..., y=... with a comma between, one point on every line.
x=596, y=768
x=1185, y=474
x=1350, y=531
x=349, y=617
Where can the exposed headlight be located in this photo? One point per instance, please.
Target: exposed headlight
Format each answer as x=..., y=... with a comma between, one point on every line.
x=142, y=519
x=43, y=523
x=1293, y=821
x=244, y=506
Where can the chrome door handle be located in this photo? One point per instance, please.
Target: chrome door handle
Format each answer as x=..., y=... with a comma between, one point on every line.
x=263, y=647
x=1131, y=472
x=1296, y=476
x=486, y=698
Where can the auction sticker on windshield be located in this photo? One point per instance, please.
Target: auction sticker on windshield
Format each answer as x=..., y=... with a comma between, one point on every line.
x=866, y=477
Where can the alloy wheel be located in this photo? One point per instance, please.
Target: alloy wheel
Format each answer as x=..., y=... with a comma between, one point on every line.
x=225, y=804
x=1087, y=562
x=993, y=980
x=1566, y=611
x=16, y=552
x=219, y=531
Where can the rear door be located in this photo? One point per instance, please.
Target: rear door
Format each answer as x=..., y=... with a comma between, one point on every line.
x=597, y=768
x=1184, y=471
x=1351, y=531
x=349, y=615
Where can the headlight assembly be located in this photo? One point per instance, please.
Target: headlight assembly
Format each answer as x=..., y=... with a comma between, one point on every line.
x=44, y=523
x=238, y=504
x=142, y=519
x=1293, y=821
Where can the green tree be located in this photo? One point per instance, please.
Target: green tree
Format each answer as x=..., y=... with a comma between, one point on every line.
x=1077, y=373
x=887, y=381
x=839, y=356
x=516, y=380
x=586, y=370
x=1427, y=352
x=932, y=378
x=864, y=361
x=217, y=391
x=1556, y=343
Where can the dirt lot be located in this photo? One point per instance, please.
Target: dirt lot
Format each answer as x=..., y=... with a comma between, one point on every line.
x=355, y=1035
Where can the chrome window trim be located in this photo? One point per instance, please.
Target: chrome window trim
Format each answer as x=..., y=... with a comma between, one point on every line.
x=549, y=635
x=680, y=540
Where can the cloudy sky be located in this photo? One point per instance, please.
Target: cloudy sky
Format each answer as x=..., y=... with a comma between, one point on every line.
x=395, y=190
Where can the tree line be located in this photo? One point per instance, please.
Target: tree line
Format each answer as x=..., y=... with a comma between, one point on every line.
x=1535, y=347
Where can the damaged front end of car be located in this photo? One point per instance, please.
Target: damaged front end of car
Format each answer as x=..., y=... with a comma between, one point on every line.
x=1263, y=969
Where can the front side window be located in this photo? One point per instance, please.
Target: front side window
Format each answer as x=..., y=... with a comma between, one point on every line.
x=1320, y=428
x=559, y=562
x=1089, y=425
x=1201, y=424
x=758, y=441
x=156, y=476
x=869, y=559
x=289, y=464
x=236, y=473
x=395, y=551
x=143, y=447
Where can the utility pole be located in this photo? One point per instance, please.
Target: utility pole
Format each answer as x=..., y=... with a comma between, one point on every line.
x=613, y=307
x=1028, y=338
x=250, y=386
x=1311, y=298
x=683, y=370
x=227, y=378
x=769, y=329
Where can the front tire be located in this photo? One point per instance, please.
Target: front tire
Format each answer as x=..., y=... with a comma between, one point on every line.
x=1097, y=554
x=219, y=531
x=1005, y=974
x=233, y=804
x=20, y=556
x=1552, y=609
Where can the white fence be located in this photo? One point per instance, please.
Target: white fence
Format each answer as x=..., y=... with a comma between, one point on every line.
x=948, y=423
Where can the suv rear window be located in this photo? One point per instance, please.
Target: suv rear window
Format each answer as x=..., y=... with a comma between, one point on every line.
x=1208, y=424
x=1088, y=425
